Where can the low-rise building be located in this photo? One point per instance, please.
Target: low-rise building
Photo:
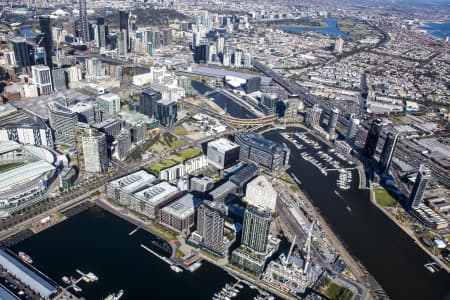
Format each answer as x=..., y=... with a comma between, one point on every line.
x=123, y=188
x=150, y=200
x=222, y=153
x=180, y=214
x=67, y=177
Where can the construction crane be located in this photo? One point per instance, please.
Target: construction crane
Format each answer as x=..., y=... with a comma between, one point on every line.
x=307, y=249
x=286, y=262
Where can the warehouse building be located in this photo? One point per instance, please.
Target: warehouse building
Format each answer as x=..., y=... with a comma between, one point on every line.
x=29, y=277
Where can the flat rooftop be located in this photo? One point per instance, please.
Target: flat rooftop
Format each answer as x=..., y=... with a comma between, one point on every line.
x=223, y=144
x=26, y=275
x=134, y=181
x=157, y=193
x=222, y=73
x=38, y=105
x=182, y=207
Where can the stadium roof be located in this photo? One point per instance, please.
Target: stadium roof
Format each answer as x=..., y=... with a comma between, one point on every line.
x=25, y=173
x=8, y=146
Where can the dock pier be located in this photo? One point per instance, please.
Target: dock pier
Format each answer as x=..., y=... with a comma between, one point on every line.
x=163, y=258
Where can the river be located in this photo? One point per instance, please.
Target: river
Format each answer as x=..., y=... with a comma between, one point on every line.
x=388, y=253
x=98, y=241
x=232, y=108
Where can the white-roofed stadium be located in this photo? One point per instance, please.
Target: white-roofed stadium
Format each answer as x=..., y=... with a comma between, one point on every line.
x=25, y=174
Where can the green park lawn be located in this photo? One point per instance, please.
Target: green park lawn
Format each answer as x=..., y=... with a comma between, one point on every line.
x=384, y=199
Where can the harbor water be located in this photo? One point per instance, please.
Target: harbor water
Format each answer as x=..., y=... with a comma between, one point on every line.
x=387, y=252
x=99, y=242
x=232, y=108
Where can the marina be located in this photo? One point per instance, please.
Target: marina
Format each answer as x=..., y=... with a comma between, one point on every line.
x=73, y=283
x=324, y=160
x=366, y=232
x=228, y=291
x=146, y=273
x=115, y=296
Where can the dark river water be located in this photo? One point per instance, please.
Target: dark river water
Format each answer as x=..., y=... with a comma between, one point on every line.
x=231, y=107
x=388, y=253
x=97, y=241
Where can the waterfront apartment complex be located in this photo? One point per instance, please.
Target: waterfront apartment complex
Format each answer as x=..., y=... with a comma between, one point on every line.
x=210, y=226
x=264, y=152
x=180, y=214
x=388, y=152
x=122, y=189
x=420, y=185
x=373, y=135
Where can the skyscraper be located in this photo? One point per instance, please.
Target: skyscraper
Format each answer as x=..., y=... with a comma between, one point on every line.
x=313, y=116
x=123, y=144
x=339, y=45
x=166, y=112
x=59, y=79
x=42, y=77
x=46, y=38
x=101, y=42
x=255, y=233
x=388, y=152
x=84, y=25
x=23, y=52
x=92, y=149
x=108, y=105
x=121, y=44
x=423, y=176
x=332, y=121
x=124, y=25
x=372, y=138
x=201, y=54
x=63, y=121
x=352, y=130
x=147, y=102
x=210, y=225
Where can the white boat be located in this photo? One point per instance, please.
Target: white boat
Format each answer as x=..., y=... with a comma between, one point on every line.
x=91, y=276
x=430, y=268
x=176, y=268
x=66, y=280
x=76, y=288
x=119, y=295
